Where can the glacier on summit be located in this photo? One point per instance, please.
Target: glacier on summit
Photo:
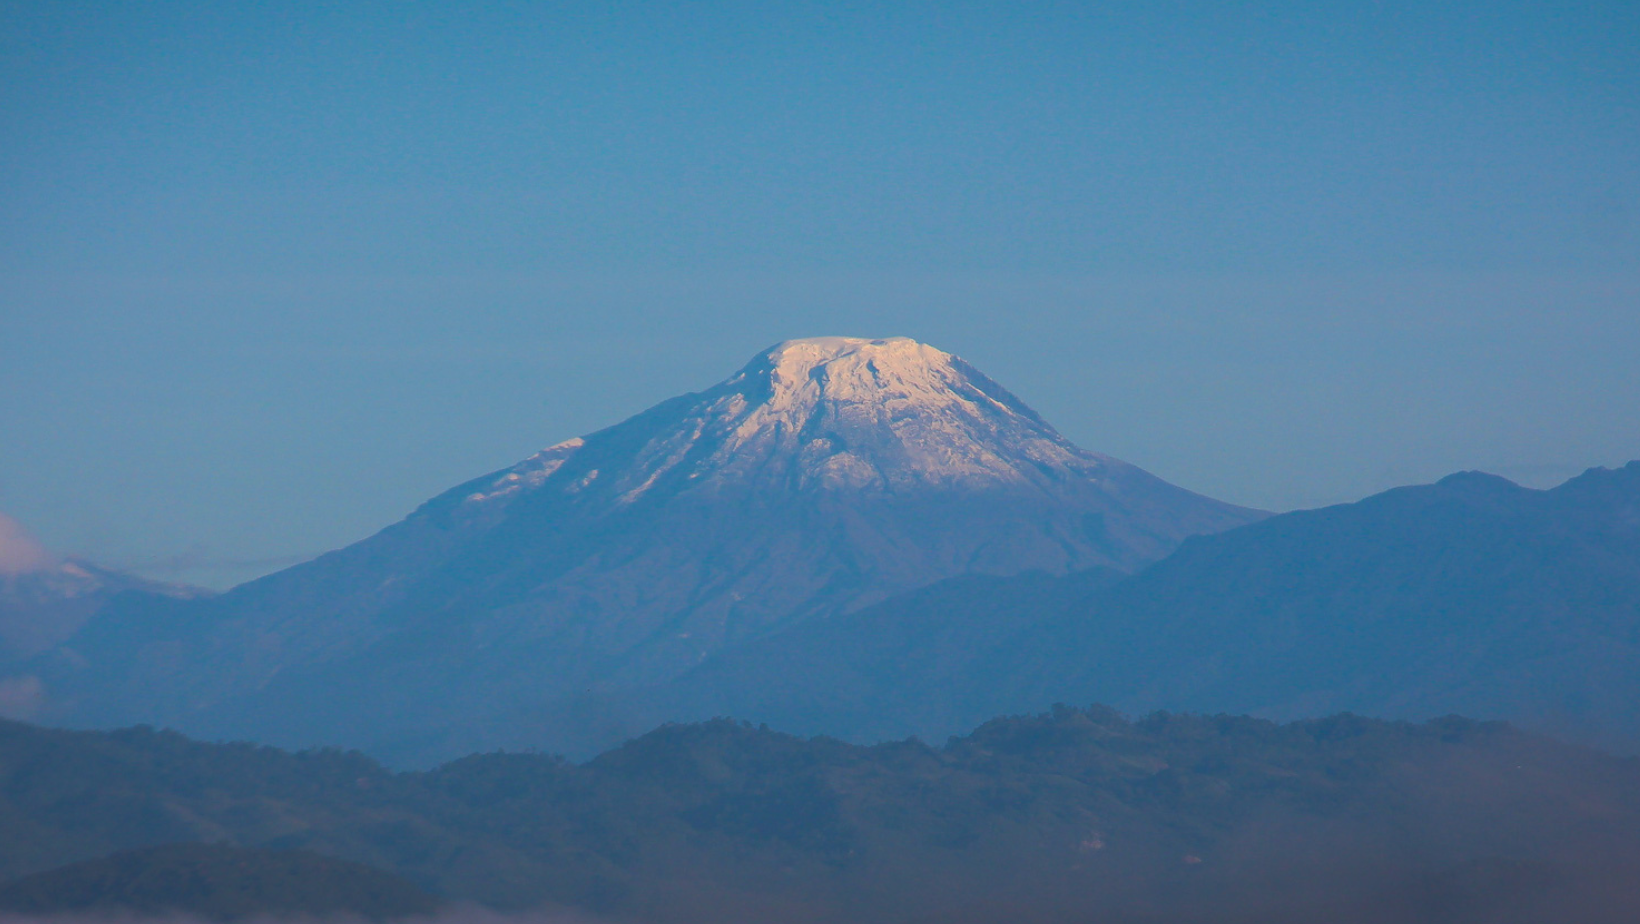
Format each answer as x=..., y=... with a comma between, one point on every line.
x=839, y=414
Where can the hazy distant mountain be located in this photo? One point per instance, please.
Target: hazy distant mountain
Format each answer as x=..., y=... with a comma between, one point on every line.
x=44, y=606
x=826, y=475
x=1473, y=595
x=45, y=600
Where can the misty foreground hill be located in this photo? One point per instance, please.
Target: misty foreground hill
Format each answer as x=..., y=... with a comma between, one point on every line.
x=1473, y=595
x=826, y=475
x=1072, y=815
x=214, y=882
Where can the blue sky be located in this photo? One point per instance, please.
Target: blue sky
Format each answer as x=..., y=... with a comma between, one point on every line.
x=272, y=274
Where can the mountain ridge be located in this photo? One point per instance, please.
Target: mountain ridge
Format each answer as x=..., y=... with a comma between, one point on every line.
x=1471, y=595
x=824, y=475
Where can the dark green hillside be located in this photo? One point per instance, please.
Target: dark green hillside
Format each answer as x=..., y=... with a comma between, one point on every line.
x=1073, y=813
x=217, y=882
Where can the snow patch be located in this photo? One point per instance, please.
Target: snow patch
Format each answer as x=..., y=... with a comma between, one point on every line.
x=832, y=414
x=528, y=474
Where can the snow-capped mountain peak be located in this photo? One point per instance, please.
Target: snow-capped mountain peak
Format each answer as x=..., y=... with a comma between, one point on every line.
x=825, y=475
x=852, y=414
x=831, y=414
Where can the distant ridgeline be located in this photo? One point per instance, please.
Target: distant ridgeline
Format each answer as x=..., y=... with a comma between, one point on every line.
x=866, y=539
x=1473, y=596
x=1070, y=815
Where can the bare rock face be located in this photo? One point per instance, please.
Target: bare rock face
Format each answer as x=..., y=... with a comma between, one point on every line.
x=825, y=475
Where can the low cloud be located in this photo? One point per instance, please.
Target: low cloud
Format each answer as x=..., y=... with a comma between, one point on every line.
x=19, y=553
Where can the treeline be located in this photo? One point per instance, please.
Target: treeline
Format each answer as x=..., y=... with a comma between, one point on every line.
x=1064, y=815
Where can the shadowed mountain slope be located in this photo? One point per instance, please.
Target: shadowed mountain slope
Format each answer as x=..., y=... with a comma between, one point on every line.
x=826, y=475
x=899, y=668
x=1472, y=595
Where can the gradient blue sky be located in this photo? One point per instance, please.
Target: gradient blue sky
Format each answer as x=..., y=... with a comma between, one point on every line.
x=273, y=274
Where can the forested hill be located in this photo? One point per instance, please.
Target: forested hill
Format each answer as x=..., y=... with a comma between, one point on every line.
x=216, y=882
x=1065, y=814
